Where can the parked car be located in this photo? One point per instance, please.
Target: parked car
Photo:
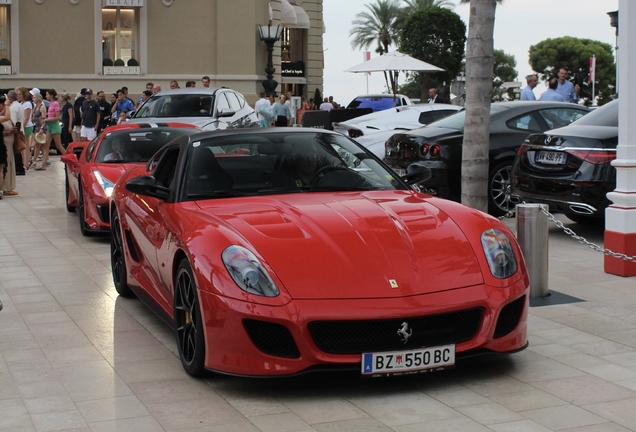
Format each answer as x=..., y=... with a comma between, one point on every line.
x=92, y=168
x=439, y=147
x=206, y=108
x=379, y=102
x=286, y=250
x=569, y=168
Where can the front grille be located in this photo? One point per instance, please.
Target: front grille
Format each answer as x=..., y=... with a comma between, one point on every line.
x=509, y=317
x=270, y=338
x=355, y=337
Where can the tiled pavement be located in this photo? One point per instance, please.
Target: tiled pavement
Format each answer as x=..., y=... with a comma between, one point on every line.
x=75, y=357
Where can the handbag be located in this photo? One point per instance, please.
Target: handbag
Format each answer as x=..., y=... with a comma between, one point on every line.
x=19, y=142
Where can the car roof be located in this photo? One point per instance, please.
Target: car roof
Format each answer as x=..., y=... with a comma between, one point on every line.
x=260, y=131
x=191, y=90
x=382, y=95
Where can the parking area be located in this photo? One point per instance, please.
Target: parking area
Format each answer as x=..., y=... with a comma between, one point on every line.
x=76, y=357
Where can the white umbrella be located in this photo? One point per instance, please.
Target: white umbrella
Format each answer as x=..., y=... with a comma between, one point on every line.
x=394, y=62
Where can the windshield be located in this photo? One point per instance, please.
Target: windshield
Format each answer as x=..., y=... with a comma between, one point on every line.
x=378, y=103
x=137, y=145
x=184, y=105
x=456, y=121
x=275, y=163
x=607, y=115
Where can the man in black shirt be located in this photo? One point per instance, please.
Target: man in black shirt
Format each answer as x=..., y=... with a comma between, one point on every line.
x=77, y=115
x=104, y=111
x=90, y=117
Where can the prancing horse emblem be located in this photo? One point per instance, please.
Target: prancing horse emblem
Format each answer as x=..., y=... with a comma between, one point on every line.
x=405, y=332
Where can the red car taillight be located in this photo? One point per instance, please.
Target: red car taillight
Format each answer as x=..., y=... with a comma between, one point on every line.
x=593, y=156
x=424, y=149
x=435, y=150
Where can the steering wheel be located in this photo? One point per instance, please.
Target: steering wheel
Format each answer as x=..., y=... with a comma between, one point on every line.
x=321, y=171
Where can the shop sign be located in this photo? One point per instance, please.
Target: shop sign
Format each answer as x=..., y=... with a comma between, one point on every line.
x=293, y=69
x=123, y=3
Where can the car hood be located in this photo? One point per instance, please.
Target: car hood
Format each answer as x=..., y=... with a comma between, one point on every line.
x=352, y=245
x=113, y=171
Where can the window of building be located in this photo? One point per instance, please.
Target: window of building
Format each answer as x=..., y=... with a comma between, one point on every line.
x=120, y=35
x=5, y=35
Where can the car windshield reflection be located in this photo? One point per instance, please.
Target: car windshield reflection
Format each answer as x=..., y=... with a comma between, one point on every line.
x=136, y=145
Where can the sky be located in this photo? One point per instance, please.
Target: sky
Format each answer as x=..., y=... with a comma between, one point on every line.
x=518, y=25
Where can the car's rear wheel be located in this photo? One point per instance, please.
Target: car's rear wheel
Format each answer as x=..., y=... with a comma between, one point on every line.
x=500, y=198
x=84, y=228
x=188, y=321
x=69, y=208
x=117, y=258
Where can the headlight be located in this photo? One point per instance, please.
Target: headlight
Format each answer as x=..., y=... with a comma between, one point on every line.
x=106, y=184
x=248, y=273
x=499, y=253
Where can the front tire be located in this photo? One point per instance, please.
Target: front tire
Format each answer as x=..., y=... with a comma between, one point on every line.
x=188, y=321
x=500, y=198
x=117, y=257
x=69, y=208
x=84, y=228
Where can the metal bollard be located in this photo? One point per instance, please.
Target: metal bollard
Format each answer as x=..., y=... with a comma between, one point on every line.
x=532, y=235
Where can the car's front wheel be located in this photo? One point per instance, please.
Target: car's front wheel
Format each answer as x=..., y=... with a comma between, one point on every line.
x=84, y=228
x=500, y=198
x=69, y=208
x=188, y=321
x=117, y=258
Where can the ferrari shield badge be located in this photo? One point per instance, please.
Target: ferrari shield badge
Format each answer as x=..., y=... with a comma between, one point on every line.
x=393, y=283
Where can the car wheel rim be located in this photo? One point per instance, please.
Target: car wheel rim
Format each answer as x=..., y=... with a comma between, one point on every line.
x=501, y=190
x=117, y=253
x=186, y=317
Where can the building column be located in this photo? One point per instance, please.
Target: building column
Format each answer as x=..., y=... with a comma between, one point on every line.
x=620, y=217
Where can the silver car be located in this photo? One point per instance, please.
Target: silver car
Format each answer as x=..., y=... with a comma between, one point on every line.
x=207, y=108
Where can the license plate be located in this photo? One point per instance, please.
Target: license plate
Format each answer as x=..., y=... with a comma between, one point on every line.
x=400, y=172
x=550, y=157
x=408, y=362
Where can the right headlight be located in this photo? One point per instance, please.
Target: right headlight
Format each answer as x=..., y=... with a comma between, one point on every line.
x=248, y=273
x=499, y=254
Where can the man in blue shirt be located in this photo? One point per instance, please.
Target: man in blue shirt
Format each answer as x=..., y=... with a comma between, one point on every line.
x=565, y=87
x=551, y=94
x=527, y=93
x=122, y=104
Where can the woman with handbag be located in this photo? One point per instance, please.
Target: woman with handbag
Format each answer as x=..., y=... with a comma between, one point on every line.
x=8, y=130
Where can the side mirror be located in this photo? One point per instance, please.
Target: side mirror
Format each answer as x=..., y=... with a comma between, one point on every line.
x=148, y=186
x=69, y=157
x=130, y=114
x=226, y=112
x=417, y=173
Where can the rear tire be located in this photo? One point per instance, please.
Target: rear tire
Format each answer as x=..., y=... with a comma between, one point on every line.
x=500, y=199
x=118, y=258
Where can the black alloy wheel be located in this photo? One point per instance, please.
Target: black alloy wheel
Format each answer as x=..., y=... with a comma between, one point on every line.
x=188, y=321
x=500, y=198
x=84, y=228
x=69, y=208
x=117, y=258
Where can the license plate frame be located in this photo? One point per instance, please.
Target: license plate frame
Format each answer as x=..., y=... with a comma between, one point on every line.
x=550, y=157
x=393, y=363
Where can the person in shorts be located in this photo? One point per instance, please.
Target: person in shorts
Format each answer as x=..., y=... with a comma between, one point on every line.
x=77, y=114
x=90, y=117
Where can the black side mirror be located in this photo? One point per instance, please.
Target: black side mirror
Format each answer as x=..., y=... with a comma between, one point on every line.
x=148, y=186
x=417, y=173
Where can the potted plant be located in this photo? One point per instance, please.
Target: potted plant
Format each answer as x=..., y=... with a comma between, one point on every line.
x=107, y=62
x=120, y=62
x=133, y=62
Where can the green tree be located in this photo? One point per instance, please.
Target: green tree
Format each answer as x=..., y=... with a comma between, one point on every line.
x=377, y=26
x=503, y=71
x=479, y=69
x=437, y=36
x=548, y=56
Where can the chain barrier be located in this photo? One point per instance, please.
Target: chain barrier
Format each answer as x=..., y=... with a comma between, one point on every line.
x=576, y=237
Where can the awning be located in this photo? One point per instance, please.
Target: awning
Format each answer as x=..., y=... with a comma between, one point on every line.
x=287, y=14
x=302, y=19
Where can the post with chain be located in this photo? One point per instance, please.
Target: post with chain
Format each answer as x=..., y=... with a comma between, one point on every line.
x=532, y=235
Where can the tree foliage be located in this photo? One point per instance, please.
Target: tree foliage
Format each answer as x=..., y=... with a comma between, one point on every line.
x=503, y=71
x=548, y=56
x=437, y=36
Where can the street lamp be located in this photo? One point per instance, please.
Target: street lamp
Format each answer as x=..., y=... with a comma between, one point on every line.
x=270, y=35
x=614, y=23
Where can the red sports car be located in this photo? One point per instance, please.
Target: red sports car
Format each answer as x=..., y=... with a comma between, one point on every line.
x=282, y=251
x=92, y=168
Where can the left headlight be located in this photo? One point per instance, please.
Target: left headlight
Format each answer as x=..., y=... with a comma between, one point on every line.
x=499, y=254
x=248, y=273
x=106, y=184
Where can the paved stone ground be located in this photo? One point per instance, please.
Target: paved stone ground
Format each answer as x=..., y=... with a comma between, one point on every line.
x=75, y=357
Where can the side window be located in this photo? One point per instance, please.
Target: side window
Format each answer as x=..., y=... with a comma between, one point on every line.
x=234, y=102
x=166, y=169
x=440, y=114
x=221, y=103
x=524, y=123
x=91, y=149
x=559, y=117
x=426, y=117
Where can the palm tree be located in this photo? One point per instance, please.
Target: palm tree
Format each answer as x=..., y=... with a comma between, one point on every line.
x=378, y=25
x=415, y=5
x=479, y=67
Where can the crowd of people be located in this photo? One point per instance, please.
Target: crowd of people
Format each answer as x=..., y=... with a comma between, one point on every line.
x=559, y=89
x=51, y=120
x=277, y=111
